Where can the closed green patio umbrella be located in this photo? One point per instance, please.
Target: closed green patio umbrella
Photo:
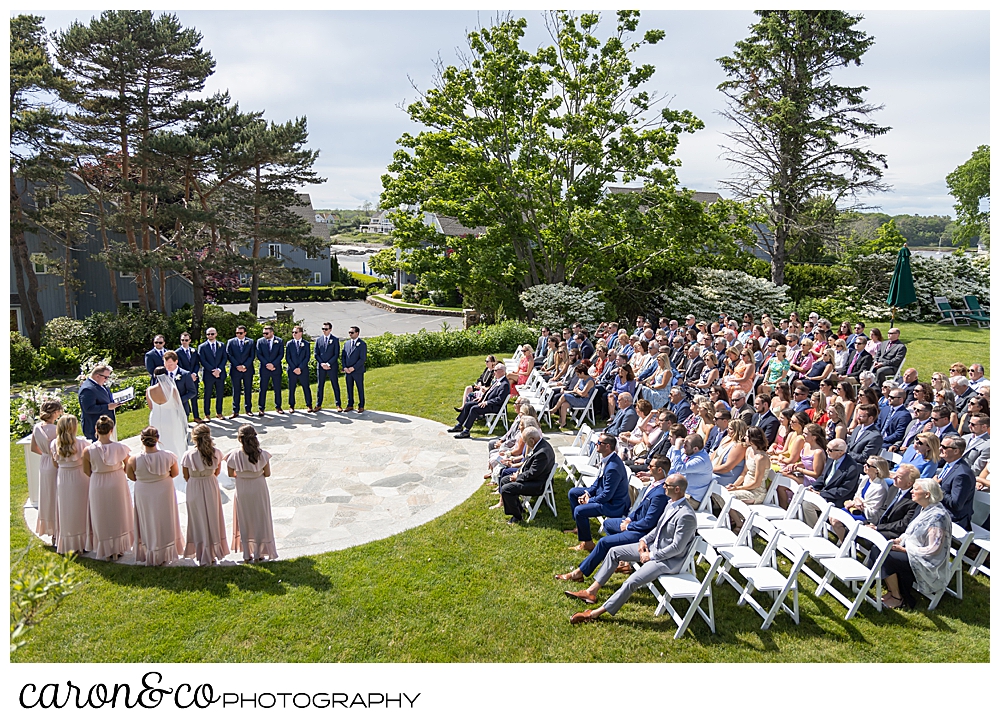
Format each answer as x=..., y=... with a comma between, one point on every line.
x=901, y=291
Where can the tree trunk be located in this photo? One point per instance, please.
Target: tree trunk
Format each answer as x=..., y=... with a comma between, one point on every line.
x=112, y=278
x=163, y=290
x=140, y=282
x=255, y=251
x=68, y=278
x=198, y=310
x=26, y=280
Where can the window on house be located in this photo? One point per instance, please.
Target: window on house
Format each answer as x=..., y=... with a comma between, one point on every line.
x=131, y=304
x=40, y=268
x=126, y=275
x=314, y=254
x=274, y=250
x=317, y=278
x=244, y=278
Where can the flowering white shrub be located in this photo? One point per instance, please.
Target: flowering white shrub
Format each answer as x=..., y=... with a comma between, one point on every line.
x=718, y=290
x=87, y=368
x=559, y=305
x=30, y=402
x=65, y=332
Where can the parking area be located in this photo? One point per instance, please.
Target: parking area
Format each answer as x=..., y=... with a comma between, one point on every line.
x=370, y=320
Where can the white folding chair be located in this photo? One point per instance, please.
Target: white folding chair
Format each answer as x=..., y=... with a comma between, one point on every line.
x=954, y=570
x=493, y=419
x=686, y=585
x=770, y=509
x=513, y=362
x=770, y=579
x=579, y=441
x=578, y=416
x=893, y=458
x=821, y=547
x=855, y=574
x=704, y=510
x=744, y=555
x=794, y=527
x=548, y=496
x=985, y=547
x=980, y=508
x=720, y=535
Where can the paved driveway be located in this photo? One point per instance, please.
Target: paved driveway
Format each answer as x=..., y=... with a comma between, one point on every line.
x=343, y=314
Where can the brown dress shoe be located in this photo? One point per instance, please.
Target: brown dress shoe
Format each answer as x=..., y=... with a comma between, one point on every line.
x=574, y=531
x=575, y=576
x=624, y=567
x=219, y=416
x=234, y=415
x=582, y=617
x=586, y=545
x=260, y=412
x=581, y=595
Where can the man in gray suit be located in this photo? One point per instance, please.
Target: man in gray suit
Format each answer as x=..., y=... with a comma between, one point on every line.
x=977, y=444
x=661, y=552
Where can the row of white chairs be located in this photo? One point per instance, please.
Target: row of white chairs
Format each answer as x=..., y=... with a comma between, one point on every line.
x=541, y=394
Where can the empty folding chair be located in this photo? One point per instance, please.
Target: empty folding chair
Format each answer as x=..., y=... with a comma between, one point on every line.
x=962, y=538
x=984, y=547
x=744, y=555
x=771, y=580
x=686, y=585
x=769, y=508
x=794, y=527
x=720, y=535
x=493, y=419
x=704, y=510
x=579, y=443
x=860, y=578
x=820, y=546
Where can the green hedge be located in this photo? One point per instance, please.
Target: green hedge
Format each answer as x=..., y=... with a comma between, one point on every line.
x=28, y=364
x=275, y=294
x=499, y=339
x=815, y=281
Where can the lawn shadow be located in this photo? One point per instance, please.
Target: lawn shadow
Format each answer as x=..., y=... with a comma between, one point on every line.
x=271, y=578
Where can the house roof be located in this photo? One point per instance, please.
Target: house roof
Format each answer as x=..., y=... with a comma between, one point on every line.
x=319, y=228
x=706, y=197
x=451, y=227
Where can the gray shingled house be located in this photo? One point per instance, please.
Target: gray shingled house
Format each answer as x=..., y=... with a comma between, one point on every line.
x=293, y=257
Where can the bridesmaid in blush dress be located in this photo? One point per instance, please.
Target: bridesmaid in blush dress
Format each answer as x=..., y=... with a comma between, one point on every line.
x=111, y=513
x=206, y=527
x=253, y=530
x=158, y=537
x=41, y=441
x=72, y=487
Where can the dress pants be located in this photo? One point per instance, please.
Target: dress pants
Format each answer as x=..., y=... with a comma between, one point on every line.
x=331, y=374
x=583, y=513
x=295, y=380
x=606, y=543
x=471, y=411
x=242, y=384
x=350, y=380
x=214, y=388
x=510, y=494
x=638, y=579
x=269, y=379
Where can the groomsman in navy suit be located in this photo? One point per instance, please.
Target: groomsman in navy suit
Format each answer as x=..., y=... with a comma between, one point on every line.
x=270, y=351
x=240, y=352
x=212, y=357
x=95, y=400
x=154, y=357
x=297, y=357
x=187, y=357
x=353, y=358
x=327, y=357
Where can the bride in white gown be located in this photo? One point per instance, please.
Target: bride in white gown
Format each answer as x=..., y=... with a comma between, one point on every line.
x=167, y=414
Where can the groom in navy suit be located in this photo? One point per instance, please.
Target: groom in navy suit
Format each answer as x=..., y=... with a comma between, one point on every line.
x=95, y=400
x=297, y=358
x=182, y=379
x=187, y=357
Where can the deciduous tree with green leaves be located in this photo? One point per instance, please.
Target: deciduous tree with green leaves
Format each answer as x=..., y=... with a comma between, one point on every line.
x=527, y=145
x=798, y=134
x=970, y=185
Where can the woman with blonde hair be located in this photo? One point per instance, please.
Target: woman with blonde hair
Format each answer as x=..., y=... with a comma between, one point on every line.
x=206, y=527
x=111, y=513
x=728, y=457
x=253, y=528
x=41, y=440
x=924, y=453
x=872, y=494
x=158, y=536
x=743, y=374
x=836, y=427
x=72, y=487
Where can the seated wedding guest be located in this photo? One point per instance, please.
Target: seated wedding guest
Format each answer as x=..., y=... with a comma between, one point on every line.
x=946, y=399
x=870, y=500
x=719, y=398
x=817, y=408
x=509, y=461
x=957, y=481
x=530, y=479
x=920, y=555
x=660, y=552
x=740, y=409
x=728, y=457
x=977, y=443
x=977, y=407
x=820, y=370
x=584, y=344
x=640, y=356
x=679, y=404
x=844, y=330
x=512, y=443
x=111, y=514
x=763, y=417
x=541, y=346
x=560, y=360
x=865, y=440
x=475, y=390
x=784, y=430
x=836, y=426
x=705, y=426
x=743, y=374
x=658, y=445
x=709, y=374
x=42, y=436
x=72, y=487
x=840, y=356
x=689, y=458
x=792, y=449
x=839, y=482
x=924, y=454
x=800, y=397
x=848, y=397
x=568, y=377
x=206, y=527
x=623, y=383
x=812, y=458
x=524, y=367
x=922, y=394
x=893, y=420
x=777, y=368
x=751, y=484
x=625, y=418
x=576, y=397
x=901, y=508
x=158, y=536
x=920, y=423
x=638, y=440
x=828, y=389
x=641, y=520
x=983, y=483
x=606, y=497
x=494, y=397
x=253, y=530
x=875, y=341
x=657, y=391
x=600, y=359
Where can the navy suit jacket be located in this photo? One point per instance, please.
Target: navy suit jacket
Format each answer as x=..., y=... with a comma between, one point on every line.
x=154, y=358
x=184, y=382
x=682, y=409
x=864, y=444
x=270, y=352
x=210, y=360
x=94, y=400
x=844, y=483
x=959, y=488
x=356, y=357
x=188, y=359
x=241, y=355
x=296, y=357
x=494, y=396
x=768, y=423
x=327, y=353
x=893, y=428
x=648, y=512
x=610, y=490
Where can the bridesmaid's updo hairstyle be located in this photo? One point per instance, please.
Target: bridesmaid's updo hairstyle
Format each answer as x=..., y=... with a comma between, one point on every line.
x=105, y=424
x=49, y=409
x=66, y=435
x=247, y=437
x=149, y=437
x=201, y=435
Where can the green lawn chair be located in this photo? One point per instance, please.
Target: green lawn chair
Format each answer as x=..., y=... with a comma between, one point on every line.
x=975, y=312
x=947, y=313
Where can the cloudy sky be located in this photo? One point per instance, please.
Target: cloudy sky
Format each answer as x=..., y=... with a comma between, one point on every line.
x=349, y=72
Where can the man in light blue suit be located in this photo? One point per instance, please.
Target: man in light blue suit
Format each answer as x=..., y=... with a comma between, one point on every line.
x=689, y=458
x=327, y=353
x=297, y=358
x=212, y=357
x=353, y=357
x=641, y=520
x=607, y=497
x=270, y=352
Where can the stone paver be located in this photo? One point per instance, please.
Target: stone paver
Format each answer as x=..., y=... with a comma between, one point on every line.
x=344, y=314
x=340, y=480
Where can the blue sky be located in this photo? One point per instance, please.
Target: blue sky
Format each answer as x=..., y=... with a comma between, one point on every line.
x=349, y=72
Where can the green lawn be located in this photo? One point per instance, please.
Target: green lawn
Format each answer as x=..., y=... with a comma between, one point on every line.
x=464, y=587
x=934, y=347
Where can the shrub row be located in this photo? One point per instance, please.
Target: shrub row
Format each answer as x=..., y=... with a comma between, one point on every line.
x=28, y=363
x=282, y=294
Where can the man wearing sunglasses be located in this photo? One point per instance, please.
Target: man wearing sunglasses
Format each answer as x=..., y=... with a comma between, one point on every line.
x=212, y=355
x=154, y=357
x=958, y=484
